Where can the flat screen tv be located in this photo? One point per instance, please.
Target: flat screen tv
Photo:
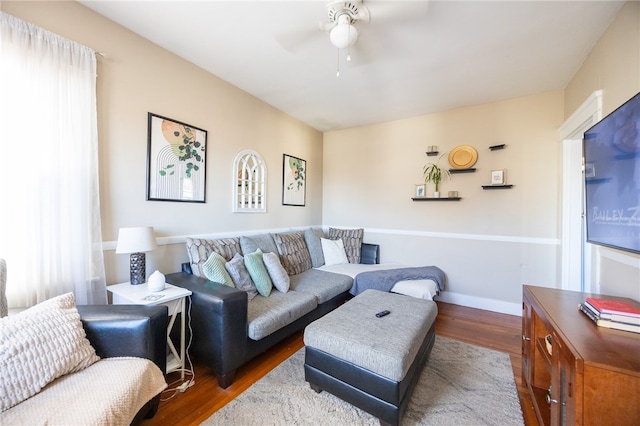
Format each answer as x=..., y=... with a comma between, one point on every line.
x=612, y=178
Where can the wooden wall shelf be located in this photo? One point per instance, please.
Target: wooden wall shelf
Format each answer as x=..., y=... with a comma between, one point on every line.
x=436, y=199
x=456, y=171
x=497, y=147
x=496, y=186
x=431, y=153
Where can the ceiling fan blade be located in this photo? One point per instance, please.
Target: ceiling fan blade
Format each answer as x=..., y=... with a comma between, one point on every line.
x=363, y=14
x=326, y=26
x=295, y=39
x=392, y=11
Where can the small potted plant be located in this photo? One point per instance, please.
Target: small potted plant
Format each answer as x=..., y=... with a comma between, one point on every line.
x=434, y=173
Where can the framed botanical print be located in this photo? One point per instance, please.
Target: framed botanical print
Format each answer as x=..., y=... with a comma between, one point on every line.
x=294, y=180
x=176, y=160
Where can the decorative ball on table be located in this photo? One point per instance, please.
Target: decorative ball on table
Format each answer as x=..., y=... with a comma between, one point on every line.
x=156, y=281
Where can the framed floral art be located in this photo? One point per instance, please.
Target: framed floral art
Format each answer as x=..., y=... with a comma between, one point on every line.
x=294, y=181
x=176, y=160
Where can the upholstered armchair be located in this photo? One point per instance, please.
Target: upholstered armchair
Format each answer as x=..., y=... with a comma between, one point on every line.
x=106, y=362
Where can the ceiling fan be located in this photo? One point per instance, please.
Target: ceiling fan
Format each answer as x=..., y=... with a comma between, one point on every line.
x=342, y=17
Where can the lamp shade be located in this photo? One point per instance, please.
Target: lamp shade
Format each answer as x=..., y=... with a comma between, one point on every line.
x=343, y=35
x=136, y=240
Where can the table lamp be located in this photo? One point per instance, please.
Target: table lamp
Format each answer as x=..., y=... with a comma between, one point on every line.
x=136, y=241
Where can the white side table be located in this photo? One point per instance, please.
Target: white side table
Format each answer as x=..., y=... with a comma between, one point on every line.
x=173, y=297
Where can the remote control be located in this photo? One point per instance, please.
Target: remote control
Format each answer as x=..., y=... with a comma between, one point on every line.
x=383, y=313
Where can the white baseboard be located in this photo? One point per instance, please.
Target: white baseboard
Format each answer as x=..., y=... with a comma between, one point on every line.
x=481, y=303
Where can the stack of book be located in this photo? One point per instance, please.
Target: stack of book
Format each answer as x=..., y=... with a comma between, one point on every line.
x=612, y=314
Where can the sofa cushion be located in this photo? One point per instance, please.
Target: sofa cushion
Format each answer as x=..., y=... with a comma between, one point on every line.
x=276, y=271
x=322, y=285
x=312, y=238
x=214, y=269
x=293, y=252
x=240, y=276
x=352, y=239
x=199, y=251
x=263, y=242
x=266, y=315
x=334, y=253
x=39, y=345
x=258, y=272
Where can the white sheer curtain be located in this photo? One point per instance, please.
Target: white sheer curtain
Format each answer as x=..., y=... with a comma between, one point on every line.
x=49, y=199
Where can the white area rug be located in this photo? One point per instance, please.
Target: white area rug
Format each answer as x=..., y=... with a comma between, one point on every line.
x=461, y=384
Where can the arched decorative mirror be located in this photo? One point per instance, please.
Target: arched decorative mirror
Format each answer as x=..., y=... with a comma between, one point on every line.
x=250, y=183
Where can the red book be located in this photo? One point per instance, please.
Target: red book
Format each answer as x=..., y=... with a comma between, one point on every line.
x=607, y=306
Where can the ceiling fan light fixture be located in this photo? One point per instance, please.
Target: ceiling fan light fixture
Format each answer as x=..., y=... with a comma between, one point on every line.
x=343, y=35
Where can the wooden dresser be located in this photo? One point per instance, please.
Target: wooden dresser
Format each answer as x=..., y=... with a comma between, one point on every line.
x=592, y=376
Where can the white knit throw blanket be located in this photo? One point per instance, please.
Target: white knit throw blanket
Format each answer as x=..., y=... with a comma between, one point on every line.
x=109, y=392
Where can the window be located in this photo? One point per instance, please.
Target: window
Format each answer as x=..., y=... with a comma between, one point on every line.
x=50, y=232
x=250, y=183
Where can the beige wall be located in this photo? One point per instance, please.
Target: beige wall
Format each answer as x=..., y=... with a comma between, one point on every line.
x=490, y=242
x=138, y=77
x=614, y=67
x=613, y=64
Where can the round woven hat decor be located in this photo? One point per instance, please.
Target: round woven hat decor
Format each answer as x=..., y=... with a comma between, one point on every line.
x=463, y=157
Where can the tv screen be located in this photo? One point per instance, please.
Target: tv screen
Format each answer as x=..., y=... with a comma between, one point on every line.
x=612, y=178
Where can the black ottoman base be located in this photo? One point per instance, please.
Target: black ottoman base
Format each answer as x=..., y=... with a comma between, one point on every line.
x=379, y=396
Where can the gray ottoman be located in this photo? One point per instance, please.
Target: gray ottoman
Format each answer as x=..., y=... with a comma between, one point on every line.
x=370, y=362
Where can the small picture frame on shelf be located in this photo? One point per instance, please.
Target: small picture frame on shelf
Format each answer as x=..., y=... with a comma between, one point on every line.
x=498, y=177
x=432, y=150
x=420, y=190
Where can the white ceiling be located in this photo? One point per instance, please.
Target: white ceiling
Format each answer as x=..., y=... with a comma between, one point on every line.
x=413, y=58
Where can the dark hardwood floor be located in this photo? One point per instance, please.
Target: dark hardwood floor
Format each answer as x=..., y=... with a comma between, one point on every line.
x=483, y=328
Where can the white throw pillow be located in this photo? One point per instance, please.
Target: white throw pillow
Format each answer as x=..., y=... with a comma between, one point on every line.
x=39, y=345
x=333, y=251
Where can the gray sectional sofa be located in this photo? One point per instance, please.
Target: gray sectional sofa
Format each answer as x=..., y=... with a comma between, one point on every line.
x=230, y=327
